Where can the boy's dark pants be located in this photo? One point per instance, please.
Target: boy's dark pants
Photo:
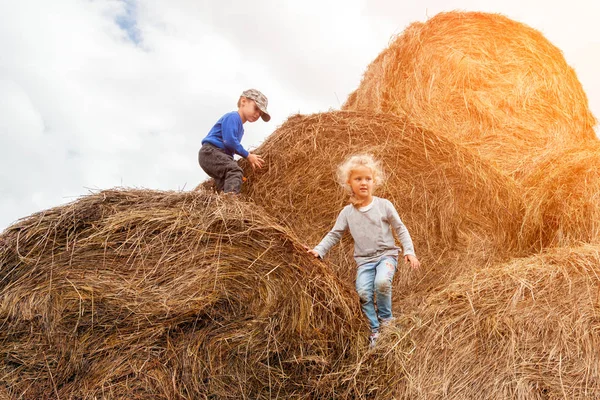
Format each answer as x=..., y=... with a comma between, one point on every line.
x=221, y=167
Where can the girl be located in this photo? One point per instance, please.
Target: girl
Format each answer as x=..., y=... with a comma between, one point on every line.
x=370, y=220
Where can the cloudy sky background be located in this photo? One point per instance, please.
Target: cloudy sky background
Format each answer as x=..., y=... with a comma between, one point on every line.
x=102, y=93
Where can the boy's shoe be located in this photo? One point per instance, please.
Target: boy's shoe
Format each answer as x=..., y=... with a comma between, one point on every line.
x=373, y=339
x=388, y=322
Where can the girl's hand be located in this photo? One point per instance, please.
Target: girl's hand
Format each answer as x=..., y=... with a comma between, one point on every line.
x=314, y=253
x=412, y=260
x=311, y=251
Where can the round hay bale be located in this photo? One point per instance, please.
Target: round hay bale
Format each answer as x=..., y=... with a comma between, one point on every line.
x=460, y=211
x=495, y=84
x=527, y=329
x=563, y=197
x=144, y=294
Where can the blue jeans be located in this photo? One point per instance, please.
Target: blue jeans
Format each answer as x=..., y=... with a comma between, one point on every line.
x=376, y=279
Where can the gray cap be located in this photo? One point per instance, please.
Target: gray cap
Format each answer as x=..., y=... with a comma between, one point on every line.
x=260, y=100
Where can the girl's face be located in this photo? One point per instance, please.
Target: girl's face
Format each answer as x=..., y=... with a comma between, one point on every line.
x=361, y=182
x=249, y=111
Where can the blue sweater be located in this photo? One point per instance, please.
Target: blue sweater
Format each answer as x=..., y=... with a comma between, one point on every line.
x=227, y=134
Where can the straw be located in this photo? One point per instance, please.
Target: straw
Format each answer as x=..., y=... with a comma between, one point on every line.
x=147, y=294
x=460, y=211
x=497, y=85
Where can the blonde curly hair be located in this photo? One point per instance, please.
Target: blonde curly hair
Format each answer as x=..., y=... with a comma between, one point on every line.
x=359, y=160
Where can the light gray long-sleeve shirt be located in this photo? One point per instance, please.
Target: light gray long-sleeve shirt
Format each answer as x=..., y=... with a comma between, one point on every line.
x=371, y=229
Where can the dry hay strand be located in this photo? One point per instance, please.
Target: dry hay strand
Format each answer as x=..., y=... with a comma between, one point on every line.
x=387, y=362
x=147, y=294
x=527, y=329
x=563, y=197
x=460, y=211
x=4, y=394
x=495, y=84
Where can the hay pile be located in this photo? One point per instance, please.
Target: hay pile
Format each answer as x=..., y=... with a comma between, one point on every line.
x=144, y=294
x=497, y=85
x=460, y=211
x=563, y=197
x=527, y=329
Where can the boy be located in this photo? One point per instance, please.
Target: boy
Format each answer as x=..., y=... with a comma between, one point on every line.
x=223, y=141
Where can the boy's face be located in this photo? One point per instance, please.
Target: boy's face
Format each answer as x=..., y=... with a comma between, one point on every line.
x=249, y=110
x=361, y=182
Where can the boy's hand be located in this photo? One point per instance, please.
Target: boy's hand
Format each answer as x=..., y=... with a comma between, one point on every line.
x=255, y=161
x=412, y=260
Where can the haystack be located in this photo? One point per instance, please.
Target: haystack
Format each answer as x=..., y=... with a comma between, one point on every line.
x=460, y=211
x=563, y=197
x=527, y=329
x=145, y=294
x=497, y=85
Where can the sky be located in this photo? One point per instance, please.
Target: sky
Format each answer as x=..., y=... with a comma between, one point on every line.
x=97, y=94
